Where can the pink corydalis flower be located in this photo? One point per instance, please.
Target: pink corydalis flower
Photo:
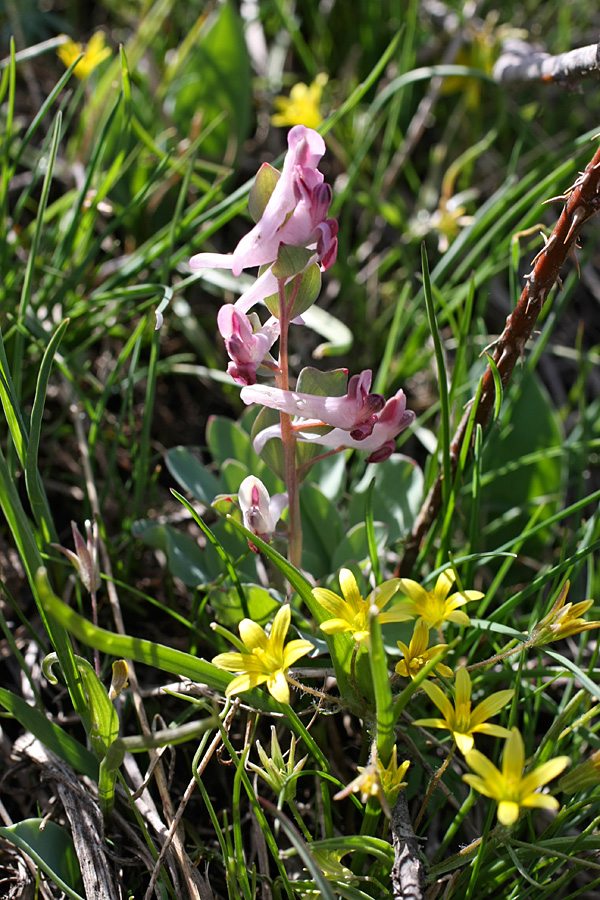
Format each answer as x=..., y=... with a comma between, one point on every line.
x=379, y=442
x=260, y=511
x=356, y=410
x=246, y=348
x=85, y=557
x=295, y=214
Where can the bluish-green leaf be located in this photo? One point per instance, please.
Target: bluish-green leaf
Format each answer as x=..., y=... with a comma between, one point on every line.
x=397, y=495
x=192, y=475
x=51, y=848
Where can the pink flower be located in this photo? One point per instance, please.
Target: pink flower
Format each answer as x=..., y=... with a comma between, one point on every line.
x=260, y=512
x=378, y=439
x=295, y=214
x=357, y=409
x=246, y=348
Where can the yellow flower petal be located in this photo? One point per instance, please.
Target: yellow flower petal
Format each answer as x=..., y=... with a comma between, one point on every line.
x=335, y=626
x=350, y=588
x=231, y=662
x=439, y=698
x=508, y=812
x=544, y=773
x=413, y=590
x=464, y=742
x=491, y=706
x=294, y=650
x=463, y=688
x=278, y=687
x=445, y=581
x=252, y=635
x=245, y=682
x=329, y=601
x=279, y=629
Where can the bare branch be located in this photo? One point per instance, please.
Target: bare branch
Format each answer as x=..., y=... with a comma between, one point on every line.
x=408, y=871
x=520, y=62
x=582, y=202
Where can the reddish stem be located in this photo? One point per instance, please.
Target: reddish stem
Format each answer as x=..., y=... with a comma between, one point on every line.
x=582, y=202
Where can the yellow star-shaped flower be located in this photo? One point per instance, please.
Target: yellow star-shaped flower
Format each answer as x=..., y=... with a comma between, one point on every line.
x=436, y=607
x=377, y=780
x=563, y=620
x=302, y=106
x=460, y=720
x=510, y=788
x=350, y=612
x=268, y=658
x=418, y=653
x=94, y=52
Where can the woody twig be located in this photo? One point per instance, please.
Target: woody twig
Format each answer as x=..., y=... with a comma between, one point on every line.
x=520, y=63
x=582, y=201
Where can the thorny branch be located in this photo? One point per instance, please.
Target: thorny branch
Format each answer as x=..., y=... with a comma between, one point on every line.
x=520, y=63
x=582, y=202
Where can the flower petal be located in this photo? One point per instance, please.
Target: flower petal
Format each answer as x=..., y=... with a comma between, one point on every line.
x=464, y=742
x=544, y=773
x=384, y=593
x=478, y=783
x=513, y=758
x=432, y=723
x=279, y=630
x=333, y=603
x=278, y=687
x=462, y=688
x=442, y=586
x=350, y=589
x=491, y=706
x=294, y=650
x=459, y=618
x=540, y=801
x=231, y=662
x=508, y=812
x=253, y=636
x=335, y=626
x=413, y=591
x=441, y=701
x=486, y=770
x=245, y=682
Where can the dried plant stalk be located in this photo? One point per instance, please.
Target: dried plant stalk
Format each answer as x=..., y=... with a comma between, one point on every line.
x=582, y=201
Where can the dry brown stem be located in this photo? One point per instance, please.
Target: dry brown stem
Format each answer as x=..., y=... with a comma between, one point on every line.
x=582, y=202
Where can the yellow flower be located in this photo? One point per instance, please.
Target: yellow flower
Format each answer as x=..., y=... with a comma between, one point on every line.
x=391, y=777
x=459, y=719
x=417, y=654
x=377, y=780
x=95, y=52
x=267, y=658
x=302, y=106
x=436, y=607
x=562, y=621
x=510, y=788
x=351, y=611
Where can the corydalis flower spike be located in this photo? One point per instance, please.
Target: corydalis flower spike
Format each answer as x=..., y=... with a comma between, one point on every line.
x=260, y=512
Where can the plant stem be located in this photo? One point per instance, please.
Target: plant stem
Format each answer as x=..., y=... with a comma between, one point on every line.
x=288, y=437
